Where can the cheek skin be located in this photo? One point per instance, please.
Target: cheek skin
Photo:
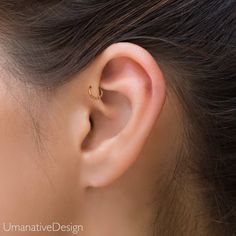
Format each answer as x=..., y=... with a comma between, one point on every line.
x=34, y=187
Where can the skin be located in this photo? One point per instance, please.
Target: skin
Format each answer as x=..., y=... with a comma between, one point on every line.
x=56, y=167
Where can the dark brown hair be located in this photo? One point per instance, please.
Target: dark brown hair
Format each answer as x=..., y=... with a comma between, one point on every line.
x=49, y=41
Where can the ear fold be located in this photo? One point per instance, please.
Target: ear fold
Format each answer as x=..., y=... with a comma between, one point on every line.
x=134, y=94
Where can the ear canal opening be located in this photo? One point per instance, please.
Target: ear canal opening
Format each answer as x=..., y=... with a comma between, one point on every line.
x=85, y=144
x=91, y=122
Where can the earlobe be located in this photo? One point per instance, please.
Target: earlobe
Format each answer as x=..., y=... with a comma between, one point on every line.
x=133, y=94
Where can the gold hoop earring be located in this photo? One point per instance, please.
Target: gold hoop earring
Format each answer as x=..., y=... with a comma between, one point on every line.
x=99, y=97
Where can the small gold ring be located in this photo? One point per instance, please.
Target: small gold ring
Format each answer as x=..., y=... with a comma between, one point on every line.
x=95, y=97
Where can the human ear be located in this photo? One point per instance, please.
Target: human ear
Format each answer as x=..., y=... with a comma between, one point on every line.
x=133, y=96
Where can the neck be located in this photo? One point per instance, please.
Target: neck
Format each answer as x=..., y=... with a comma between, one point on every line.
x=114, y=212
x=182, y=210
